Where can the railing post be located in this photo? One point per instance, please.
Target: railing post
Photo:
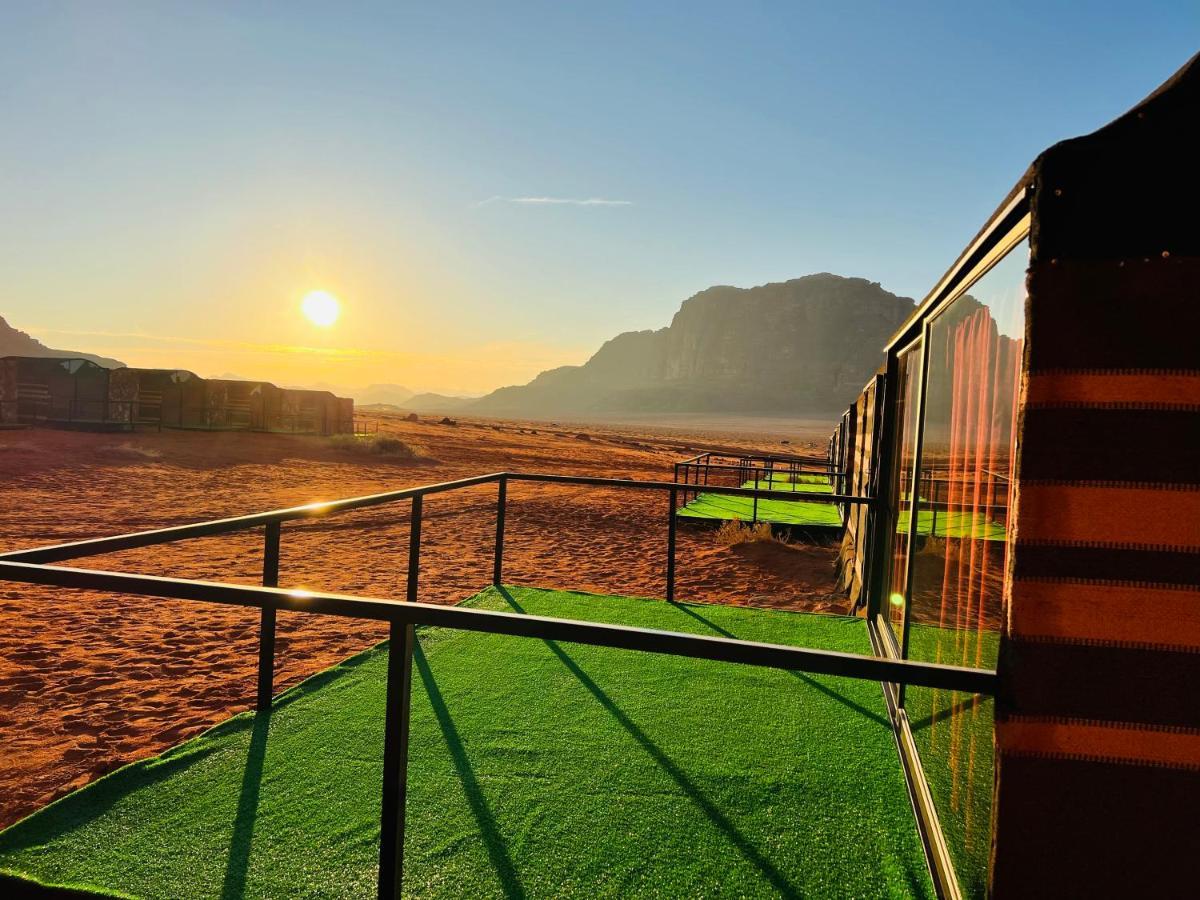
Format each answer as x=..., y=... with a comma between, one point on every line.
x=414, y=549
x=671, y=523
x=754, y=516
x=266, y=628
x=395, y=759
x=401, y=643
x=501, y=504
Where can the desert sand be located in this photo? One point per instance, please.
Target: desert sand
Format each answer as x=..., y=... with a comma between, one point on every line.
x=90, y=681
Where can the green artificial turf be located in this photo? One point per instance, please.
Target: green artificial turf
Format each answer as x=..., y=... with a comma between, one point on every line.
x=807, y=484
x=725, y=507
x=535, y=769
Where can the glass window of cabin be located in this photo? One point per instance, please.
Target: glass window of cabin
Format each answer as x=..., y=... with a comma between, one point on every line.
x=908, y=372
x=959, y=554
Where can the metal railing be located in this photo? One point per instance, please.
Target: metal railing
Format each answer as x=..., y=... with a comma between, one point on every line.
x=33, y=566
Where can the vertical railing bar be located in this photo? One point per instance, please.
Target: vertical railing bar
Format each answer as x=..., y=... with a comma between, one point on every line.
x=414, y=548
x=754, y=518
x=501, y=505
x=401, y=643
x=266, y=629
x=671, y=525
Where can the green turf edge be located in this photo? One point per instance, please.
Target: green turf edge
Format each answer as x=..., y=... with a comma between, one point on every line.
x=13, y=885
x=180, y=753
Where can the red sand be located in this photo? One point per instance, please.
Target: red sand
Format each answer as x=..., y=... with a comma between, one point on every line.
x=90, y=681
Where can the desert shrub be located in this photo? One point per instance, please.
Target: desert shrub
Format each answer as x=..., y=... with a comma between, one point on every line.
x=387, y=445
x=735, y=531
x=129, y=451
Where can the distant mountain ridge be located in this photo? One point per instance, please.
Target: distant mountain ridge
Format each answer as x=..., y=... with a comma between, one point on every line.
x=801, y=346
x=18, y=343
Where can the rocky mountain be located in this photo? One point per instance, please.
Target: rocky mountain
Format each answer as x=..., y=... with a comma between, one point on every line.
x=395, y=394
x=18, y=343
x=431, y=402
x=801, y=346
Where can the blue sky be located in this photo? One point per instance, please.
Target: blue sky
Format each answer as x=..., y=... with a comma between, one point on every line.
x=175, y=177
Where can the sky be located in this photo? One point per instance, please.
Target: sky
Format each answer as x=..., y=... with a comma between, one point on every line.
x=494, y=189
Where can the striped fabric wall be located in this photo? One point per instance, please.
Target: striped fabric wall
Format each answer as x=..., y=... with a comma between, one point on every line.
x=1098, y=731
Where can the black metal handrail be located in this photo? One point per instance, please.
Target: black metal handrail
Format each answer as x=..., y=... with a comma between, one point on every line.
x=404, y=612
x=30, y=566
x=133, y=540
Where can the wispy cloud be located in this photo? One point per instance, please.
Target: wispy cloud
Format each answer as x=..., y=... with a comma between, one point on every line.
x=556, y=201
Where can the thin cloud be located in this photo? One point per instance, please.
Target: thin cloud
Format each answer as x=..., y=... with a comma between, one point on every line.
x=556, y=201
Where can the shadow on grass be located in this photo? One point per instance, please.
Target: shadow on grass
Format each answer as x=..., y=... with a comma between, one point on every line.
x=242, y=838
x=731, y=832
x=811, y=682
x=493, y=842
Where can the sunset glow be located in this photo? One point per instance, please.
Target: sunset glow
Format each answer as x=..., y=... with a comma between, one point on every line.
x=321, y=308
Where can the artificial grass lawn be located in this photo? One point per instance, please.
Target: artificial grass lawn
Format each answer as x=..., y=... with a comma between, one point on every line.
x=779, y=512
x=535, y=768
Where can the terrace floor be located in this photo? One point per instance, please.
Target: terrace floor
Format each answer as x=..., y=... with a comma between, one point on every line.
x=724, y=507
x=535, y=768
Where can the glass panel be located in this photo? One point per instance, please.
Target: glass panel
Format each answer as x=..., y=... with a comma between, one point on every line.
x=907, y=375
x=960, y=546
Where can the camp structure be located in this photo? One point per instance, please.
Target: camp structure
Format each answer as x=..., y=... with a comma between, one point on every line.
x=310, y=412
x=1034, y=472
x=69, y=392
x=60, y=391
x=231, y=405
x=152, y=397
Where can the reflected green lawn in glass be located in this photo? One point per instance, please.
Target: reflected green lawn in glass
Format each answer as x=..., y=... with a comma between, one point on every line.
x=957, y=524
x=536, y=769
x=954, y=732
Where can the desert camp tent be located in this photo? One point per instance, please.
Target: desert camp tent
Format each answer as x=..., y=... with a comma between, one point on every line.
x=236, y=405
x=1036, y=509
x=56, y=390
x=308, y=412
x=156, y=397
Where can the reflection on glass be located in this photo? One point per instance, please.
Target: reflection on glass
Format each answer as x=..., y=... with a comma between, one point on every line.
x=907, y=374
x=960, y=545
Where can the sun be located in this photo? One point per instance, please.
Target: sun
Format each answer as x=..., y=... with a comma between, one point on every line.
x=321, y=308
